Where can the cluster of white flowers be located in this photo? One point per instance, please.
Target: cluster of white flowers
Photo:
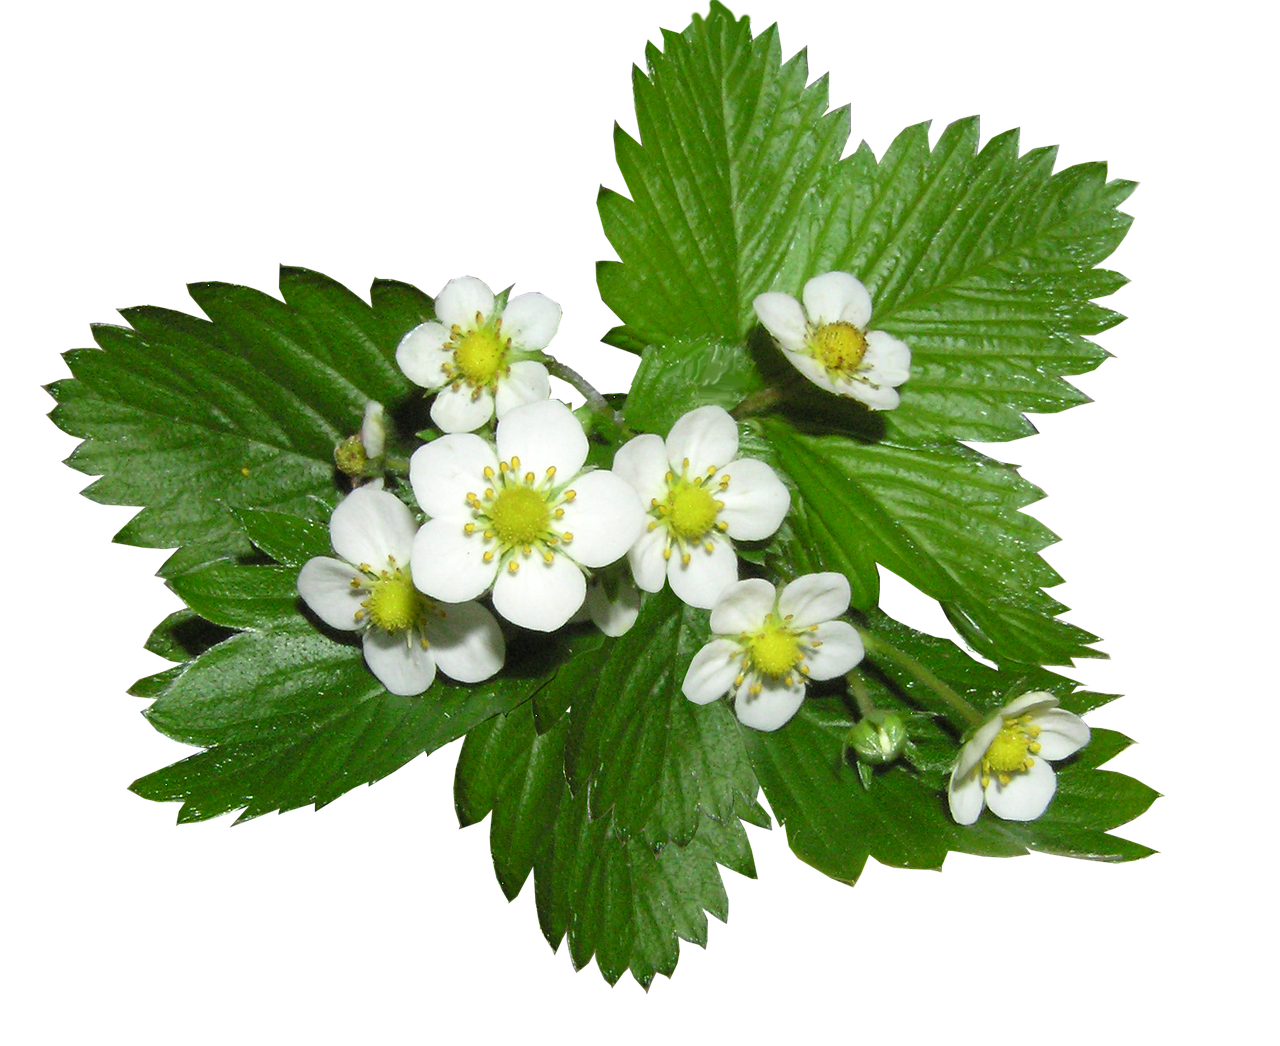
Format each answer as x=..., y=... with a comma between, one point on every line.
x=522, y=519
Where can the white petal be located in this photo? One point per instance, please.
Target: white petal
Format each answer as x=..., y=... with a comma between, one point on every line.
x=462, y=409
x=712, y=671
x=887, y=360
x=444, y=471
x=814, y=598
x=755, y=500
x=540, y=596
x=647, y=564
x=816, y=372
x=373, y=429
x=402, y=664
x=772, y=707
x=1027, y=794
x=704, y=437
x=466, y=641
x=614, y=617
x=743, y=607
x=834, y=297
x=783, y=318
x=964, y=796
x=1030, y=703
x=877, y=397
x=461, y=299
x=841, y=649
x=422, y=356
x=542, y=435
x=530, y=321
x=642, y=462
x=372, y=526
x=1061, y=733
x=605, y=518
x=325, y=586
x=976, y=747
x=700, y=581
x=527, y=382
x=448, y=564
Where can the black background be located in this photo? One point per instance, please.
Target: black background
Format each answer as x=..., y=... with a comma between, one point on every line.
x=417, y=149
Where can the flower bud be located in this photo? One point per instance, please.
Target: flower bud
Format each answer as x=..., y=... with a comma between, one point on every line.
x=878, y=737
x=350, y=456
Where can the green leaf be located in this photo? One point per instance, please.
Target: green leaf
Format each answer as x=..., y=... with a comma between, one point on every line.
x=733, y=145
x=289, y=540
x=616, y=899
x=678, y=376
x=510, y=769
x=187, y=417
x=573, y=678
x=648, y=757
x=982, y=260
x=946, y=520
x=240, y=596
x=290, y=717
x=184, y=636
x=626, y=904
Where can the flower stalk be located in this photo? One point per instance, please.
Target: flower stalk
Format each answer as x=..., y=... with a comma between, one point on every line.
x=877, y=646
x=595, y=398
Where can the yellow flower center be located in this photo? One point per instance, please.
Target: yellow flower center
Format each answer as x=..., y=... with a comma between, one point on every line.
x=519, y=515
x=691, y=510
x=838, y=346
x=1010, y=751
x=394, y=604
x=480, y=355
x=775, y=650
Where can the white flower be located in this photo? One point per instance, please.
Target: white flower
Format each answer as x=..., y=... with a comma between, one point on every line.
x=1005, y=762
x=478, y=358
x=368, y=590
x=770, y=644
x=700, y=495
x=525, y=520
x=828, y=341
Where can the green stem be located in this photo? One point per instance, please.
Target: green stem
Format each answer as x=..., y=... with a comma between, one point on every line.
x=394, y=464
x=861, y=695
x=595, y=399
x=759, y=402
x=772, y=395
x=954, y=702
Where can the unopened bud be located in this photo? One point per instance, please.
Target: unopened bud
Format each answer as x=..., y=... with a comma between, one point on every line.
x=878, y=737
x=350, y=456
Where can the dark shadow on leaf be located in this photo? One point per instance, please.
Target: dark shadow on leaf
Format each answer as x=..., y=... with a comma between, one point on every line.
x=532, y=655
x=411, y=415
x=195, y=635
